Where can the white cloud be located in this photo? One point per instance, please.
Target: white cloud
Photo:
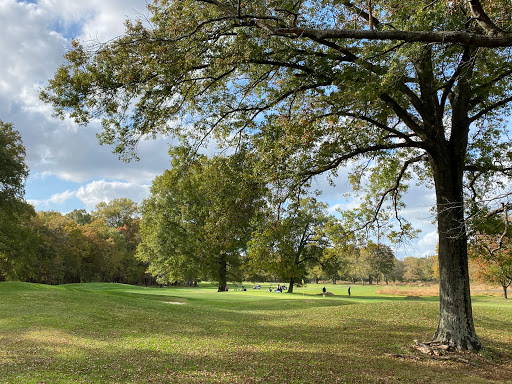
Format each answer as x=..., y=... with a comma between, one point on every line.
x=98, y=191
x=34, y=38
x=95, y=192
x=55, y=199
x=427, y=244
x=429, y=240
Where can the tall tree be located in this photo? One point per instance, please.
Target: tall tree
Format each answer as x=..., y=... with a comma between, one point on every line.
x=199, y=218
x=412, y=270
x=337, y=256
x=80, y=216
x=13, y=170
x=17, y=240
x=414, y=87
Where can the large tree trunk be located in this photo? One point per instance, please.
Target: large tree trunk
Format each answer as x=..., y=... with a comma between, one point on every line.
x=455, y=327
x=222, y=273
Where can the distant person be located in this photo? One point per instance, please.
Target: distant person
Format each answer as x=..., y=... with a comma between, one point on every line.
x=270, y=289
x=324, y=290
x=227, y=288
x=348, y=291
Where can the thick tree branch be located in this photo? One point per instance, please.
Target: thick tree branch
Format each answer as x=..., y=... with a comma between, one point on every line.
x=502, y=209
x=448, y=86
x=439, y=37
x=395, y=132
x=333, y=164
x=483, y=20
x=412, y=123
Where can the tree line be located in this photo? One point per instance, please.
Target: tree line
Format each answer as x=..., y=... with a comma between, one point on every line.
x=210, y=219
x=73, y=248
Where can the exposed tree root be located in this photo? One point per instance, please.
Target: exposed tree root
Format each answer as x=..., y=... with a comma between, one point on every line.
x=432, y=350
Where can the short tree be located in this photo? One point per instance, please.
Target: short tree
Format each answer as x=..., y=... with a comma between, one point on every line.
x=491, y=251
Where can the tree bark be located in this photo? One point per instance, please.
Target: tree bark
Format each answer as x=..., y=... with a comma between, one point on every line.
x=290, y=288
x=222, y=273
x=455, y=327
x=505, y=295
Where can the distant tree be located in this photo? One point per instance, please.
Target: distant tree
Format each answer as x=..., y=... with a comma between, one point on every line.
x=397, y=274
x=335, y=258
x=491, y=250
x=316, y=273
x=495, y=268
x=428, y=267
x=198, y=219
x=290, y=240
x=381, y=259
x=420, y=268
x=412, y=271
x=57, y=250
x=61, y=251
x=435, y=267
x=359, y=265
x=117, y=212
x=80, y=216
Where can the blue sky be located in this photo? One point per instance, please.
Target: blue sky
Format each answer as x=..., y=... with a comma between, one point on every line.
x=68, y=168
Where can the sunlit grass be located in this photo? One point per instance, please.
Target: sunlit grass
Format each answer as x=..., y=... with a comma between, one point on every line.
x=111, y=333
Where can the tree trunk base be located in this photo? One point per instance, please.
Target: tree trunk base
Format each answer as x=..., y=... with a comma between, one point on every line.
x=467, y=343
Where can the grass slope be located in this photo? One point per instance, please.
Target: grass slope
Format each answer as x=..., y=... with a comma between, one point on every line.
x=110, y=333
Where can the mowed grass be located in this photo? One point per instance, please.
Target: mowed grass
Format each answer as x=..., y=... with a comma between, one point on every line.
x=111, y=333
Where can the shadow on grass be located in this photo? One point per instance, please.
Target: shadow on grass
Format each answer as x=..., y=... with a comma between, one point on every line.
x=102, y=336
x=280, y=356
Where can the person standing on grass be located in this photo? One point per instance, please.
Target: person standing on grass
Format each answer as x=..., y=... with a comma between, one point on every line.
x=348, y=291
x=324, y=290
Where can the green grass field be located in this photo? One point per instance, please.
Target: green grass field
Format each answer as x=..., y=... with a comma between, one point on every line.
x=111, y=333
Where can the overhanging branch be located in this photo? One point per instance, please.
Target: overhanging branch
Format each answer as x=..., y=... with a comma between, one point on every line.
x=439, y=37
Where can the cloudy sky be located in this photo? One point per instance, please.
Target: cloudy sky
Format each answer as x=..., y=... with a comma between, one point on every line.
x=68, y=168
